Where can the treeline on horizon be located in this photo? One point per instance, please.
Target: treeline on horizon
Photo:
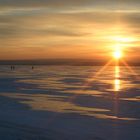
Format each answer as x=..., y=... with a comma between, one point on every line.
x=71, y=62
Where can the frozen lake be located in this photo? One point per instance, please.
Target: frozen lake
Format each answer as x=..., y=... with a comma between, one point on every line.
x=69, y=103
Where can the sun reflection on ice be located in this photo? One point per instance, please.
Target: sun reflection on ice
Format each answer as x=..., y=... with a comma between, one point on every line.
x=117, y=85
x=117, y=81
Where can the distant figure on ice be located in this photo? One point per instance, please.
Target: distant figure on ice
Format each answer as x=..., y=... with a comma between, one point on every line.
x=12, y=67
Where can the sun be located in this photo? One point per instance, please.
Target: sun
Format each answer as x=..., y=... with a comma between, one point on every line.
x=117, y=54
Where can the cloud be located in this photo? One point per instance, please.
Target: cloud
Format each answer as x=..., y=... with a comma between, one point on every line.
x=70, y=3
x=64, y=24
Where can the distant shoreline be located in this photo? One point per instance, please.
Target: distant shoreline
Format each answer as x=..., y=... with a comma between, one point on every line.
x=63, y=62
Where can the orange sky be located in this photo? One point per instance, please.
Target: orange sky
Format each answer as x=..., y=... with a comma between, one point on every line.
x=68, y=29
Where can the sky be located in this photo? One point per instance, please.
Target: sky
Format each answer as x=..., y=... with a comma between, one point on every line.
x=87, y=29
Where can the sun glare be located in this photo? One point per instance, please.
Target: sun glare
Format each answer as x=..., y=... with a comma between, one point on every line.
x=123, y=39
x=117, y=54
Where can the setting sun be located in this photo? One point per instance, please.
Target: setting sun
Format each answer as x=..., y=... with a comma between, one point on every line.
x=117, y=54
